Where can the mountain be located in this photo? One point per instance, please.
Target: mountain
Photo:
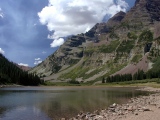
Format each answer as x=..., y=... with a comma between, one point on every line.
x=128, y=42
x=10, y=73
x=24, y=68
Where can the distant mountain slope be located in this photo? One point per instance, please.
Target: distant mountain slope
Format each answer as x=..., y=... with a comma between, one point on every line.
x=25, y=68
x=108, y=47
x=10, y=73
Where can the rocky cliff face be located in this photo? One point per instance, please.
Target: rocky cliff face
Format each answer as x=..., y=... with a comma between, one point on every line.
x=116, y=19
x=108, y=47
x=146, y=11
x=68, y=54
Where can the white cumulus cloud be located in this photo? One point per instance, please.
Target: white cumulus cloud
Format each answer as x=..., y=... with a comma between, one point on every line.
x=22, y=64
x=57, y=42
x=37, y=61
x=1, y=13
x=71, y=17
x=37, y=58
x=2, y=51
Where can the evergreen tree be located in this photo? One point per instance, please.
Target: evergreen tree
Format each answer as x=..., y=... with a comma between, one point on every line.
x=10, y=73
x=103, y=80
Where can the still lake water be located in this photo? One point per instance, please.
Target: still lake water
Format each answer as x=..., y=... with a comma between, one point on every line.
x=50, y=103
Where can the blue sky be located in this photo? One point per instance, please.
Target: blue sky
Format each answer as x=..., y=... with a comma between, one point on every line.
x=31, y=30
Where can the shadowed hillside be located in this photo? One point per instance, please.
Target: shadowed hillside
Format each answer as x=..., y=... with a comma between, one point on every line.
x=11, y=74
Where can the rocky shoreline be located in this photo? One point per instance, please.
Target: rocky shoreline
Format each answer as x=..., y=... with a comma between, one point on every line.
x=138, y=108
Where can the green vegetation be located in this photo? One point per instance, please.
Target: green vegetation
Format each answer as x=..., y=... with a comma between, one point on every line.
x=132, y=35
x=119, y=78
x=109, y=48
x=140, y=75
x=154, y=53
x=113, y=35
x=103, y=49
x=103, y=80
x=47, y=83
x=133, y=26
x=125, y=25
x=89, y=52
x=146, y=36
x=121, y=56
x=81, y=71
x=55, y=68
x=123, y=49
x=11, y=74
x=147, y=82
x=155, y=71
x=126, y=46
x=75, y=73
x=111, y=68
x=73, y=61
x=136, y=58
x=156, y=65
x=73, y=82
x=94, y=72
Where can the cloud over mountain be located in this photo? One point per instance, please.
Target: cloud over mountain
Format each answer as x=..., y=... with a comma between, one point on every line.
x=37, y=61
x=68, y=17
x=57, y=42
x=1, y=51
x=22, y=64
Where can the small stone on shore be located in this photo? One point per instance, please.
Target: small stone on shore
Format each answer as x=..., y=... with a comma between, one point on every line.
x=135, y=106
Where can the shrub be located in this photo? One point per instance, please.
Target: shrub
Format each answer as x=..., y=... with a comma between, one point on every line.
x=73, y=82
x=110, y=48
x=146, y=36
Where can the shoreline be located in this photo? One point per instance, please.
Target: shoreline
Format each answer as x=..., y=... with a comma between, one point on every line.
x=83, y=86
x=138, y=108
x=14, y=85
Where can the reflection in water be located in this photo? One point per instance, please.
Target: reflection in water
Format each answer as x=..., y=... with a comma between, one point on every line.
x=2, y=110
x=24, y=113
x=45, y=103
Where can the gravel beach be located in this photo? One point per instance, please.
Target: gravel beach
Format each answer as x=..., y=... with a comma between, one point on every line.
x=139, y=108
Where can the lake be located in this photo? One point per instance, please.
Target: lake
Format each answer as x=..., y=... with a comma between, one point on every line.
x=51, y=103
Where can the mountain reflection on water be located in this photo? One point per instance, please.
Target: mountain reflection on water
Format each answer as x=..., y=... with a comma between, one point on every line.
x=46, y=103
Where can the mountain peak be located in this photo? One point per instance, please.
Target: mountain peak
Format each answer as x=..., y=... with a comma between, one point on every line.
x=146, y=11
x=138, y=2
x=145, y=1
x=107, y=46
x=116, y=19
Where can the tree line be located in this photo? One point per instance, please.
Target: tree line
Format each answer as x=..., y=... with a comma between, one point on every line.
x=11, y=74
x=140, y=75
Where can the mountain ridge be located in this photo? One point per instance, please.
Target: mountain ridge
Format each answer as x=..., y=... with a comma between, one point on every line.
x=107, y=47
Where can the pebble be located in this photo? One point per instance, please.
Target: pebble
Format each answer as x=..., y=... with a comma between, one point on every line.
x=115, y=111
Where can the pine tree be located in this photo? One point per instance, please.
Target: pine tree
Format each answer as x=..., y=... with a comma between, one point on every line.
x=103, y=80
x=10, y=73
